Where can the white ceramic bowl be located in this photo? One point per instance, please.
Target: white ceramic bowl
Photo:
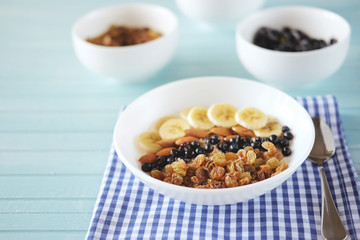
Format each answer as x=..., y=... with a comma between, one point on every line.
x=293, y=69
x=218, y=13
x=129, y=63
x=171, y=98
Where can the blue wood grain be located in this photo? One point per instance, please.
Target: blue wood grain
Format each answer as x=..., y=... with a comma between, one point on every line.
x=57, y=118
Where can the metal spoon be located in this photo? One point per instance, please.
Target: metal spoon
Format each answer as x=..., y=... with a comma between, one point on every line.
x=324, y=149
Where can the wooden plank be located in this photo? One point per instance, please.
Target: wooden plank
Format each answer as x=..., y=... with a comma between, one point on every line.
x=54, y=162
x=350, y=118
x=49, y=187
x=46, y=206
x=43, y=234
x=58, y=121
x=110, y=103
x=55, y=141
x=51, y=221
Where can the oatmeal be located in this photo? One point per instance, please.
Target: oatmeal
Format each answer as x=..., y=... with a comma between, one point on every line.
x=214, y=156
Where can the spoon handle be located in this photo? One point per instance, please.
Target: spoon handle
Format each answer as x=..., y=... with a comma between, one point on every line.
x=331, y=225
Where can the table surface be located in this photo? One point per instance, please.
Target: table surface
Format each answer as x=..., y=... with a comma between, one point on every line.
x=57, y=118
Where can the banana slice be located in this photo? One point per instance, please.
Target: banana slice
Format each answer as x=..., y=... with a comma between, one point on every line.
x=162, y=120
x=272, y=127
x=251, y=118
x=184, y=113
x=147, y=141
x=173, y=128
x=222, y=115
x=197, y=117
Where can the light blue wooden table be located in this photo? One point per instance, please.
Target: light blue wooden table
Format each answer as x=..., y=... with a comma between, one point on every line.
x=57, y=118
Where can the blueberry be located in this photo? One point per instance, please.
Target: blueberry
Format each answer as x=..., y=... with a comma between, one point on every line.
x=315, y=44
x=285, y=129
x=284, y=142
x=190, y=153
x=322, y=43
x=170, y=160
x=181, y=152
x=304, y=45
x=174, y=152
x=246, y=145
x=195, y=144
x=187, y=160
x=234, y=147
x=215, y=139
x=273, y=138
x=332, y=41
x=233, y=140
x=147, y=167
x=200, y=150
x=177, y=152
x=248, y=140
x=258, y=139
x=286, y=48
x=241, y=140
x=161, y=162
x=288, y=135
x=255, y=145
x=185, y=146
x=286, y=151
x=223, y=146
x=209, y=148
x=265, y=139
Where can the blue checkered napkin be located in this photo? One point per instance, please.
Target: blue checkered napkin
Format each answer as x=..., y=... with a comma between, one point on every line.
x=126, y=209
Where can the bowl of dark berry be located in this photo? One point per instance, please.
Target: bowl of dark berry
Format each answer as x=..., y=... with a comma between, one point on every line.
x=292, y=46
x=126, y=42
x=216, y=146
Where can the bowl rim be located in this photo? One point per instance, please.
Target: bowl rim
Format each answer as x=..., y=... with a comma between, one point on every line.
x=187, y=190
x=75, y=26
x=241, y=25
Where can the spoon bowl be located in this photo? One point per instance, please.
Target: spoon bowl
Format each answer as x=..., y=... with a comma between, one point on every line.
x=322, y=151
x=324, y=147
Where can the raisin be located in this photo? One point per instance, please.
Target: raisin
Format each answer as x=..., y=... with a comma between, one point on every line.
x=217, y=173
x=202, y=174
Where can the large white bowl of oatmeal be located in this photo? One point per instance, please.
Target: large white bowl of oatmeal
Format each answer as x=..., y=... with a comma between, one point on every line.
x=178, y=179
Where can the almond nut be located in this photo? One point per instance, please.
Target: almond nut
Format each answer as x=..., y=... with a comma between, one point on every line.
x=243, y=131
x=165, y=151
x=185, y=139
x=148, y=158
x=221, y=131
x=198, y=133
x=166, y=143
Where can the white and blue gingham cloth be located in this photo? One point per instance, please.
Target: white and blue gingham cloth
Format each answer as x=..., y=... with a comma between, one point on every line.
x=126, y=209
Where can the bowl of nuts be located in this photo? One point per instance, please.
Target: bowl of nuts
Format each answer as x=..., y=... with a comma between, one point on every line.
x=292, y=46
x=216, y=146
x=126, y=42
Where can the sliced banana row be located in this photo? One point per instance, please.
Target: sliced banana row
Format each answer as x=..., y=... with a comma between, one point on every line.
x=271, y=127
x=167, y=128
x=222, y=115
x=198, y=118
x=147, y=141
x=251, y=118
x=173, y=129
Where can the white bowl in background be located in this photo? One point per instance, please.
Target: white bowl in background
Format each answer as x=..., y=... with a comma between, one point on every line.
x=126, y=63
x=218, y=13
x=171, y=98
x=293, y=69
